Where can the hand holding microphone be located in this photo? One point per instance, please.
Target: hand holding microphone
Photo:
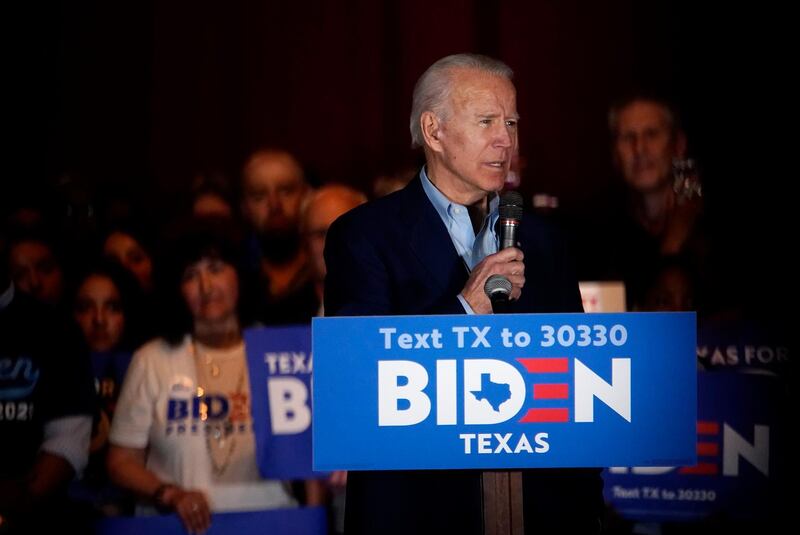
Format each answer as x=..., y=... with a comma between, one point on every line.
x=506, y=264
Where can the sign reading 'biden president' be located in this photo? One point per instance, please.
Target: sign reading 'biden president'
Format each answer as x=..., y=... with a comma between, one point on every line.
x=505, y=391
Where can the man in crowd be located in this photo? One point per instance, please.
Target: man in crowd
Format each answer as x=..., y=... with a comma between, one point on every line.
x=47, y=402
x=273, y=190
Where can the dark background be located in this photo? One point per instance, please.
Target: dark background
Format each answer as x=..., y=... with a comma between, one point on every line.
x=134, y=97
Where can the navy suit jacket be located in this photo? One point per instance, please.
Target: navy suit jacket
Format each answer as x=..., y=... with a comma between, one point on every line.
x=394, y=256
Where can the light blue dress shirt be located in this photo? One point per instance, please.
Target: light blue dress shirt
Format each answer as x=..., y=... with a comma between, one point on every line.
x=470, y=247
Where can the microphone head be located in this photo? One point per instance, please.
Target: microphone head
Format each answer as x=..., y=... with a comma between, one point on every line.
x=497, y=287
x=511, y=205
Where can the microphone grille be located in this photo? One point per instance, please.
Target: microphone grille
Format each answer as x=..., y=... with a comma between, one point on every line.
x=511, y=205
x=497, y=284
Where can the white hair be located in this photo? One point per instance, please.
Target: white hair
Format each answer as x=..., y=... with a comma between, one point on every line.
x=433, y=87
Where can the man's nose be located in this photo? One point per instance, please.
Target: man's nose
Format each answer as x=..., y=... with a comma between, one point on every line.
x=35, y=281
x=503, y=136
x=274, y=200
x=638, y=145
x=99, y=317
x=204, y=280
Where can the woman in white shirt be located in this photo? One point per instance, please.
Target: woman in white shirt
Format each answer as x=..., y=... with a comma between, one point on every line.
x=182, y=436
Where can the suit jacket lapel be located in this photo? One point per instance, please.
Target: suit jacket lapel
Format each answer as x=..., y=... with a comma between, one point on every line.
x=430, y=241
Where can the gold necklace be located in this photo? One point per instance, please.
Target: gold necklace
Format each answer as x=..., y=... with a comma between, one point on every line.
x=219, y=435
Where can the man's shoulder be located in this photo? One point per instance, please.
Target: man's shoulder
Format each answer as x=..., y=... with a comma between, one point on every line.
x=378, y=214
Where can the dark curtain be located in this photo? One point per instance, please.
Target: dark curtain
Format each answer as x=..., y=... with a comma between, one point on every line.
x=137, y=96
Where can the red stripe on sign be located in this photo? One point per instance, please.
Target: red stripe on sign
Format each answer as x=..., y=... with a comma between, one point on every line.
x=551, y=391
x=707, y=448
x=700, y=469
x=559, y=365
x=545, y=415
x=707, y=428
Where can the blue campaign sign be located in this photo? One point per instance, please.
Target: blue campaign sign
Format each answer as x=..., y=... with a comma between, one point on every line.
x=742, y=448
x=299, y=521
x=743, y=345
x=504, y=391
x=280, y=366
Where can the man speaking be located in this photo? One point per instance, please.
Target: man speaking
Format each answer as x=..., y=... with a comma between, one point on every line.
x=428, y=249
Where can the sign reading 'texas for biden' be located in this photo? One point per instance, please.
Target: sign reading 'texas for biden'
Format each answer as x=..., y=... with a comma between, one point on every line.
x=505, y=391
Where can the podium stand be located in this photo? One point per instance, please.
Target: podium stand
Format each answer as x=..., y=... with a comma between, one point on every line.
x=502, y=503
x=500, y=394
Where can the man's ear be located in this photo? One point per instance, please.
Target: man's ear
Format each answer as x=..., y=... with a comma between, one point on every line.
x=431, y=127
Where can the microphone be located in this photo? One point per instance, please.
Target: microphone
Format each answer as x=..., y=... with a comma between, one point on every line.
x=498, y=290
x=510, y=218
x=497, y=287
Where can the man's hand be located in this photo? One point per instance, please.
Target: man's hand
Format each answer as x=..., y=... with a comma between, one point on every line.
x=507, y=263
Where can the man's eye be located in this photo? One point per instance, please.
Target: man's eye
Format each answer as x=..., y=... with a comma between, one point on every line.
x=189, y=275
x=288, y=189
x=47, y=265
x=652, y=133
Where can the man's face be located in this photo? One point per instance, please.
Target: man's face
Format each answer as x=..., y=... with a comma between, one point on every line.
x=320, y=214
x=478, y=136
x=273, y=190
x=645, y=146
x=35, y=270
x=99, y=313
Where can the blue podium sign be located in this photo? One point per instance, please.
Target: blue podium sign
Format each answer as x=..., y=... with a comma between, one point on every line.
x=280, y=365
x=743, y=449
x=504, y=391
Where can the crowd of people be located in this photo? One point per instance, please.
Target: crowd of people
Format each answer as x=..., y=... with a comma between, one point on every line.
x=97, y=331
x=105, y=324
